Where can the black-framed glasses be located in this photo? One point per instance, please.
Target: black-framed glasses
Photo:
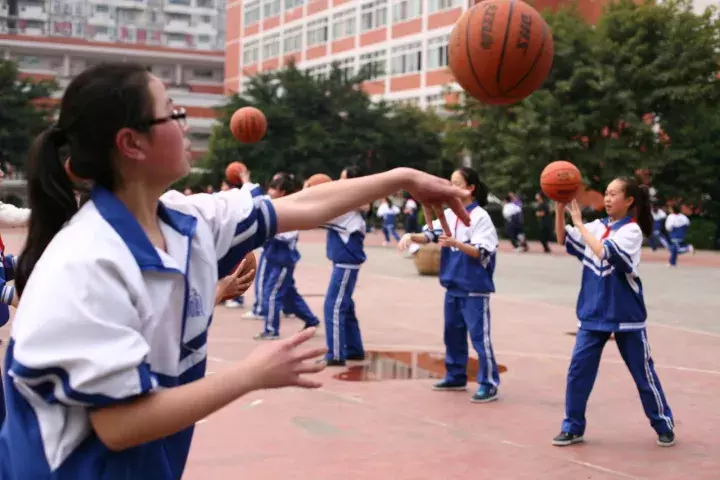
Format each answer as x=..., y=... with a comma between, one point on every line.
x=178, y=114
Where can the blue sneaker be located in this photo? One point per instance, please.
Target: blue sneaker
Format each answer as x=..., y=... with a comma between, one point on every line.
x=485, y=395
x=446, y=385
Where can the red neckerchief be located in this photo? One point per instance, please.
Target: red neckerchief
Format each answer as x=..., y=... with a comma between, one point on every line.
x=2, y=250
x=608, y=228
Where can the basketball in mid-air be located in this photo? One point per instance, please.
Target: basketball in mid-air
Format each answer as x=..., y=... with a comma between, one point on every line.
x=500, y=51
x=561, y=181
x=317, y=179
x=234, y=172
x=248, y=124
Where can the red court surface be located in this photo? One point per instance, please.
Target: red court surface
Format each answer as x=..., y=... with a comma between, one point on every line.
x=401, y=429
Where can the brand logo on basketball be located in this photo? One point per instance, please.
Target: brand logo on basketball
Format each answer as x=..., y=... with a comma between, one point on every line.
x=524, y=37
x=486, y=32
x=564, y=176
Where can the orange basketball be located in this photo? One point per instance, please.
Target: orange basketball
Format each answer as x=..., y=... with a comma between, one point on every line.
x=250, y=265
x=500, y=51
x=560, y=181
x=234, y=171
x=248, y=124
x=317, y=179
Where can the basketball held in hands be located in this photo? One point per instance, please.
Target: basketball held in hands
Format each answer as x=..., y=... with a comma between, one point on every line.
x=561, y=181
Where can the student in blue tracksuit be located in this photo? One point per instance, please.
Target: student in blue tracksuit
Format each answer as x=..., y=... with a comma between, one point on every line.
x=104, y=375
x=677, y=224
x=611, y=302
x=388, y=213
x=278, y=284
x=345, y=249
x=10, y=216
x=658, y=237
x=467, y=264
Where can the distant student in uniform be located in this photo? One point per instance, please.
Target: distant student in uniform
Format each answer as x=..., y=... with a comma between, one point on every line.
x=10, y=216
x=105, y=368
x=677, y=224
x=410, y=209
x=542, y=213
x=658, y=237
x=467, y=265
x=388, y=213
x=611, y=302
x=514, y=225
x=345, y=249
x=281, y=255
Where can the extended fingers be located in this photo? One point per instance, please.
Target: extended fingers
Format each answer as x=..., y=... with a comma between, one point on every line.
x=428, y=217
x=311, y=353
x=309, y=367
x=440, y=214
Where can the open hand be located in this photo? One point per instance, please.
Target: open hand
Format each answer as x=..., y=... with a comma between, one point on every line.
x=235, y=284
x=432, y=192
x=446, y=241
x=279, y=364
x=575, y=213
x=405, y=242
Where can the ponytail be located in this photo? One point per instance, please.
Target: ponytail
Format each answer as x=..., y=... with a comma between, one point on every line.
x=472, y=178
x=51, y=197
x=643, y=212
x=640, y=207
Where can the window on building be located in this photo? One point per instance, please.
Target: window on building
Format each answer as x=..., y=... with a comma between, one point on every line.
x=344, y=24
x=251, y=53
x=271, y=8
x=271, y=46
x=319, y=72
x=346, y=66
x=317, y=32
x=203, y=74
x=373, y=15
x=406, y=58
x=436, y=101
x=439, y=5
x=437, y=55
x=290, y=4
x=252, y=12
x=292, y=40
x=374, y=64
x=404, y=10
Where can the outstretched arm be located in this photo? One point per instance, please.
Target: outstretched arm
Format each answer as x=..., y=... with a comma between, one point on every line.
x=314, y=206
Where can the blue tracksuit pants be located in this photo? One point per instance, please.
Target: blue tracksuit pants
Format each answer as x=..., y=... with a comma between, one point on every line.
x=635, y=351
x=471, y=315
x=277, y=292
x=342, y=330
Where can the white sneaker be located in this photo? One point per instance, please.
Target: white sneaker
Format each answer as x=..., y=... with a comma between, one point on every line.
x=251, y=315
x=232, y=304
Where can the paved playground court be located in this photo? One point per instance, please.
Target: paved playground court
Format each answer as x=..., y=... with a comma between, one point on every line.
x=401, y=429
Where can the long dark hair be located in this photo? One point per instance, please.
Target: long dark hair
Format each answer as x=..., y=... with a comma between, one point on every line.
x=472, y=178
x=640, y=208
x=284, y=182
x=96, y=105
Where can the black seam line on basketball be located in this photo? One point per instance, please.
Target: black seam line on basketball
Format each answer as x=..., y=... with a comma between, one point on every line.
x=467, y=53
x=532, y=67
x=498, y=72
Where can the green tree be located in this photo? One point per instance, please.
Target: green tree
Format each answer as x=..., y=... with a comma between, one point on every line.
x=21, y=115
x=323, y=125
x=608, y=88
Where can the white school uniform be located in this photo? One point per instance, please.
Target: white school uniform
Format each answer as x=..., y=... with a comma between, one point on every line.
x=105, y=317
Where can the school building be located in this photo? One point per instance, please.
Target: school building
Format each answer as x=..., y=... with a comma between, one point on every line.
x=405, y=40
x=181, y=41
